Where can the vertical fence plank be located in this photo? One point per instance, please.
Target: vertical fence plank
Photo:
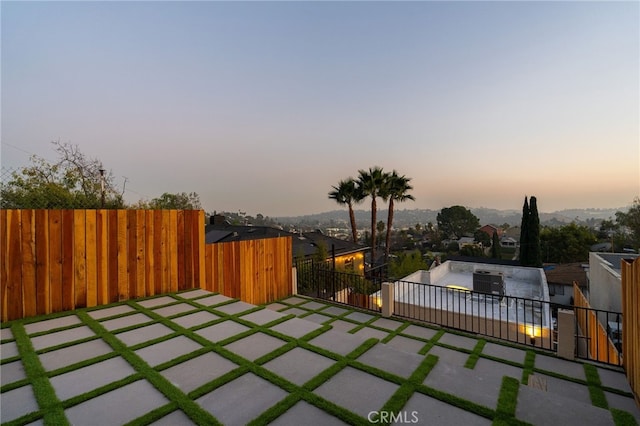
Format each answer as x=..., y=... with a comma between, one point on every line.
x=158, y=247
x=29, y=291
x=172, y=252
x=188, y=250
x=140, y=254
x=80, y=258
x=4, y=264
x=149, y=253
x=14, y=252
x=68, y=276
x=132, y=254
x=43, y=272
x=102, y=257
x=121, y=235
x=180, y=250
x=91, y=268
x=55, y=259
x=112, y=256
x=199, y=248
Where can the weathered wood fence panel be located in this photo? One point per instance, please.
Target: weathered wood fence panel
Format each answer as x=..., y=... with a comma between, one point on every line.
x=601, y=348
x=631, y=323
x=58, y=260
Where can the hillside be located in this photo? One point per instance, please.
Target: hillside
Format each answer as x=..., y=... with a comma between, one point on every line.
x=410, y=217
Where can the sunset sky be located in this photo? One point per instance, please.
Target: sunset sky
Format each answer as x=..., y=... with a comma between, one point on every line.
x=262, y=106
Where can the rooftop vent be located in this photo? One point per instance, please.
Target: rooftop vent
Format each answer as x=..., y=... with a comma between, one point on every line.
x=488, y=282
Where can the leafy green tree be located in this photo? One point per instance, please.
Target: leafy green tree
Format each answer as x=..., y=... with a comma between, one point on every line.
x=75, y=181
x=396, y=188
x=349, y=193
x=407, y=263
x=631, y=221
x=456, y=221
x=371, y=183
x=472, y=251
x=179, y=201
x=482, y=237
x=566, y=244
x=496, y=251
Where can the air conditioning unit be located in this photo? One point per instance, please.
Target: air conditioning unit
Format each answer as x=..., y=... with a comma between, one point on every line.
x=488, y=282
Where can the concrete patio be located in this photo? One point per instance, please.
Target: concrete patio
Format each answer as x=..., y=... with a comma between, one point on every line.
x=202, y=358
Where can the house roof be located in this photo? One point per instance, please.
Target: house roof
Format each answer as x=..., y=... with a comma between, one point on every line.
x=566, y=273
x=303, y=244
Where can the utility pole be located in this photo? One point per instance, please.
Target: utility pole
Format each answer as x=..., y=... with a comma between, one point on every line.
x=102, y=188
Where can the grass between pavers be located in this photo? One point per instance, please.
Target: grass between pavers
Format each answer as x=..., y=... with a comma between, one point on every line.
x=50, y=408
x=595, y=391
x=429, y=343
x=475, y=354
x=529, y=363
x=622, y=418
x=508, y=399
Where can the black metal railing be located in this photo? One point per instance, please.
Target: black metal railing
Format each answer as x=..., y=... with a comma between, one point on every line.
x=520, y=320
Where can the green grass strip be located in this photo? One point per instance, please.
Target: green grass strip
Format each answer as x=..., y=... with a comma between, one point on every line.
x=529, y=362
x=42, y=389
x=276, y=411
x=622, y=418
x=508, y=398
x=427, y=347
x=475, y=354
x=595, y=390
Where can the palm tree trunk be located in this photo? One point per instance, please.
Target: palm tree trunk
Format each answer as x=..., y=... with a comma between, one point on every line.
x=389, y=223
x=352, y=218
x=373, y=230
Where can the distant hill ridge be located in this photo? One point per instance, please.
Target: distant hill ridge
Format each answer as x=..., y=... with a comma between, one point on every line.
x=410, y=217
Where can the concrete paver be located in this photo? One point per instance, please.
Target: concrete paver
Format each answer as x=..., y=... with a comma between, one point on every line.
x=560, y=366
x=341, y=325
x=16, y=403
x=487, y=367
x=263, y=316
x=623, y=403
x=156, y=301
x=337, y=342
x=295, y=327
x=303, y=413
x=60, y=337
x=255, y=346
x=295, y=300
x=422, y=409
x=52, y=324
x=417, y=331
x=334, y=311
x=317, y=318
x=276, y=306
x=294, y=311
x=172, y=310
x=504, y=352
x=213, y=300
x=386, y=323
x=110, y=312
x=313, y=305
x=143, y=334
x=190, y=375
x=241, y=400
x=195, y=319
x=12, y=372
x=405, y=344
x=6, y=334
x=126, y=321
x=368, y=332
x=389, y=359
x=452, y=357
x=99, y=411
x=91, y=377
x=234, y=308
x=8, y=350
x=74, y=354
x=299, y=365
x=614, y=379
x=162, y=352
x=359, y=316
x=545, y=408
x=175, y=418
x=222, y=330
x=458, y=341
x=357, y=391
x=566, y=388
x=192, y=294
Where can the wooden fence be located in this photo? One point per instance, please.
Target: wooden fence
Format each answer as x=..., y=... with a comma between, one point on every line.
x=631, y=323
x=600, y=347
x=60, y=260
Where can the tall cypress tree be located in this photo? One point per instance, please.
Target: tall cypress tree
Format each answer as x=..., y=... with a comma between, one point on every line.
x=496, y=253
x=535, y=253
x=524, y=234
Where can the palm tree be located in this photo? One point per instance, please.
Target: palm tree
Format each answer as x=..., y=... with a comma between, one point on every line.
x=395, y=189
x=371, y=183
x=347, y=192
